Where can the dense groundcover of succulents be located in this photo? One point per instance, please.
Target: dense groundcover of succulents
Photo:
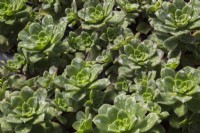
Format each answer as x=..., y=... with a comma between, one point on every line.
x=99, y=66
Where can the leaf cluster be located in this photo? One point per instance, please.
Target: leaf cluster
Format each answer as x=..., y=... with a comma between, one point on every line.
x=99, y=66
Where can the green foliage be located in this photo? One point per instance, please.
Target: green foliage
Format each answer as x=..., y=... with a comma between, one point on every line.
x=82, y=42
x=25, y=109
x=48, y=3
x=182, y=85
x=41, y=40
x=179, y=90
x=139, y=55
x=83, y=123
x=94, y=14
x=128, y=5
x=81, y=73
x=14, y=14
x=126, y=115
x=11, y=9
x=139, y=5
x=177, y=17
x=80, y=78
x=71, y=14
x=99, y=66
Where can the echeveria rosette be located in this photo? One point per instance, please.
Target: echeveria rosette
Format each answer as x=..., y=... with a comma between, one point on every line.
x=177, y=17
x=96, y=98
x=139, y=56
x=47, y=80
x=125, y=37
x=63, y=102
x=128, y=5
x=152, y=5
x=110, y=34
x=147, y=94
x=24, y=110
x=82, y=42
x=51, y=4
x=95, y=14
x=139, y=5
x=147, y=91
x=126, y=115
x=81, y=77
x=11, y=10
x=105, y=57
x=145, y=86
x=15, y=63
x=179, y=90
x=81, y=73
x=71, y=14
x=145, y=78
x=41, y=37
x=83, y=123
x=144, y=90
x=117, y=37
x=124, y=85
x=40, y=40
x=13, y=16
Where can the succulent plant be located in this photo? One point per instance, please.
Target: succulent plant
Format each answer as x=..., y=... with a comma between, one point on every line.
x=126, y=115
x=145, y=86
x=139, y=55
x=177, y=17
x=128, y=5
x=95, y=14
x=80, y=78
x=82, y=42
x=11, y=10
x=40, y=40
x=181, y=89
x=16, y=62
x=99, y=66
x=25, y=109
x=51, y=4
x=71, y=14
x=84, y=122
x=139, y=5
x=81, y=73
x=14, y=14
